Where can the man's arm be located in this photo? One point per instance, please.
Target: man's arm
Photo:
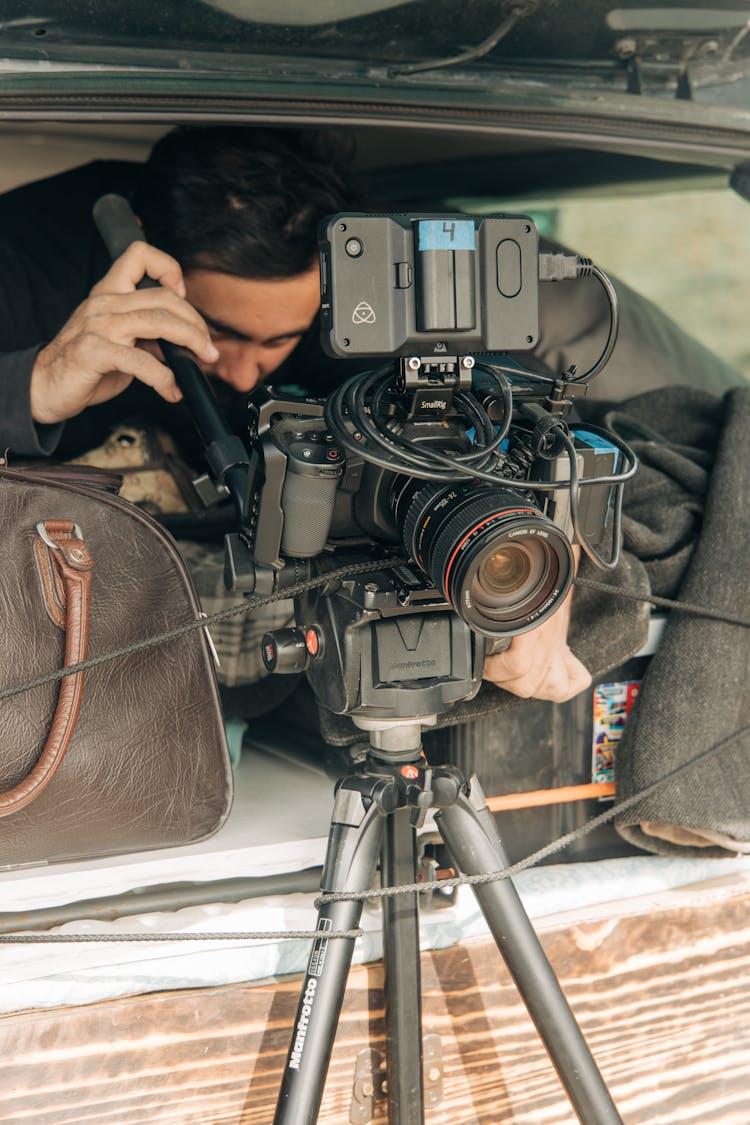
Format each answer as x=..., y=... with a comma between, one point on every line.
x=18, y=431
x=99, y=351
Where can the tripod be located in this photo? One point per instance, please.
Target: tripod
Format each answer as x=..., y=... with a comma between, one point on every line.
x=376, y=813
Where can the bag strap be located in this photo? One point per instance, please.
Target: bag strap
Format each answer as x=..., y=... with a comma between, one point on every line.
x=64, y=566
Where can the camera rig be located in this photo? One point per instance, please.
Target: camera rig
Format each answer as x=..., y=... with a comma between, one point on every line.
x=460, y=479
x=459, y=476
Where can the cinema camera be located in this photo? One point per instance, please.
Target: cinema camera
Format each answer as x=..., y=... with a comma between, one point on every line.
x=468, y=470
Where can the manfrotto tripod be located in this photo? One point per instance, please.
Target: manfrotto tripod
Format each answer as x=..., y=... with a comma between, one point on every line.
x=376, y=813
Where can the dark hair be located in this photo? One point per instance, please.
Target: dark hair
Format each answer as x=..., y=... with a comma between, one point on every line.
x=240, y=199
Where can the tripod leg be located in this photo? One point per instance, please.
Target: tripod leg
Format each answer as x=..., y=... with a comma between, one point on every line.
x=354, y=844
x=469, y=832
x=403, y=1003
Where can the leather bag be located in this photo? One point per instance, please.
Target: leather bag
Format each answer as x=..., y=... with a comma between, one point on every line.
x=125, y=756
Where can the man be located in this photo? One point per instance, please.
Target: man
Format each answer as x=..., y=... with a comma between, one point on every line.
x=237, y=208
x=231, y=215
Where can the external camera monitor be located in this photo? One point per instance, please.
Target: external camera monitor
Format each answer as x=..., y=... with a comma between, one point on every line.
x=395, y=285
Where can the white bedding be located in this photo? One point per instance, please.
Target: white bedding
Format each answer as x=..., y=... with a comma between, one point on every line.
x=279, y=823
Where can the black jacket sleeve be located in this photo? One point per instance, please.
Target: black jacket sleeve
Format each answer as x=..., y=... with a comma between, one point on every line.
x=50, y=257
x=19, y=434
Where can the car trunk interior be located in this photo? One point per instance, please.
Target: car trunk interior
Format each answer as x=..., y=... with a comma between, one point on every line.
x=652, y=216
x=634, y=211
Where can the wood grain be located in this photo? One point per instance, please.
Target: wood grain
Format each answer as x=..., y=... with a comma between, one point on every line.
x=663, y=998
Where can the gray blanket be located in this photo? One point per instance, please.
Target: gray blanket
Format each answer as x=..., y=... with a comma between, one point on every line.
x=688, y=523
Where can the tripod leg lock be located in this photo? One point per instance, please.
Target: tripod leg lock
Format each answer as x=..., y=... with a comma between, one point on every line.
x=356, y=793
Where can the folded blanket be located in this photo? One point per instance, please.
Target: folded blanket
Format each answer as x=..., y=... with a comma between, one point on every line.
x=689, y=523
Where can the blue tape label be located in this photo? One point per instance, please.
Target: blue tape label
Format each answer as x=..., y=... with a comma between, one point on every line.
x=595, y=441
x=445, y=234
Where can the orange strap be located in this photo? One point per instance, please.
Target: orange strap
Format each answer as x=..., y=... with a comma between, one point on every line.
x=559, y=796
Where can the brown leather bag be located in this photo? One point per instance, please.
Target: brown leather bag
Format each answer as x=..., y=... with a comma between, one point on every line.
x=125, y=756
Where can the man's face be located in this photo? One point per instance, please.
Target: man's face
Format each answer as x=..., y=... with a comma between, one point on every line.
x=255, y=324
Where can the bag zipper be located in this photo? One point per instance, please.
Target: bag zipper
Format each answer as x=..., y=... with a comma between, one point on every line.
x=85, y=476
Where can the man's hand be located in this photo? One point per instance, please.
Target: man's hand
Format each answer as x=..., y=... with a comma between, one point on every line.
x=99, y=352
x=539, y=664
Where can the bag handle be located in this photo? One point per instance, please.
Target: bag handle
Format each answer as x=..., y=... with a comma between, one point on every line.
x=64, y=566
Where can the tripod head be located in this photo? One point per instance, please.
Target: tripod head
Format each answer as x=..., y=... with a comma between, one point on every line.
x=378, y=647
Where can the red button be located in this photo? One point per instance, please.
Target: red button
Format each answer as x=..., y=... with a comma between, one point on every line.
x=311, y=642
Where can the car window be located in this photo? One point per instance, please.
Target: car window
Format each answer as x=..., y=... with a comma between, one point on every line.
x=686, y=251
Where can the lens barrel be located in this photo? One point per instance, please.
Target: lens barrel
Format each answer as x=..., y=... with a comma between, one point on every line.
x=503, y=566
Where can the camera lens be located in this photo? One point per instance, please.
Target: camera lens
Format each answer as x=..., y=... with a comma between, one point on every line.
x=502, y=565
x=505, y=571
x=513, y=578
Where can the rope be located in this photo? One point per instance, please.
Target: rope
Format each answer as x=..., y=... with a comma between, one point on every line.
x=265, y=935
x=197, y=623
x=664, y=603
x=543, y=853
x=507, y=872
x=249, y=604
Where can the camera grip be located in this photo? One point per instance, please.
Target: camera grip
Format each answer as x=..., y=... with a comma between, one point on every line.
x=307, y=502
x=313, y=468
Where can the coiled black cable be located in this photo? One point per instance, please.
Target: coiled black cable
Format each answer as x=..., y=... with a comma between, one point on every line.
x=361, y=417
x=353, y=414
x=586, y=268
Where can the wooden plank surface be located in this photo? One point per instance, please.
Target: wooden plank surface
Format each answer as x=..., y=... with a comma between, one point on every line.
x=663, y=998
